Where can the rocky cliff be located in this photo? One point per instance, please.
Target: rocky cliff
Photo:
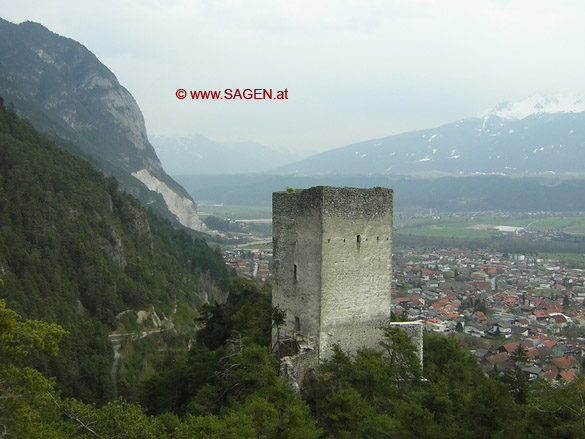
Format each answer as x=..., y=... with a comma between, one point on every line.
x=67, y=93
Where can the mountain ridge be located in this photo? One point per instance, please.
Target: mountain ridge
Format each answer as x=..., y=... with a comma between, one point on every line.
x=68, y=94
x=200, y=155
x=538, y=104
x=538, y=143
x=444, y=194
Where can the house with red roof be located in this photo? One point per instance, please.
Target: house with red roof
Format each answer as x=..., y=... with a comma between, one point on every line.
x=567, y=376
x=540, y=315
x=480, y=316
x=565, y=363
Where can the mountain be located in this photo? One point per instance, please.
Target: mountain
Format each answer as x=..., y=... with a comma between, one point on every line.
x=68, y=94
x=76, y=251
x=444, y=194
x=199, y=155
x=538, y=104
x=537, y=135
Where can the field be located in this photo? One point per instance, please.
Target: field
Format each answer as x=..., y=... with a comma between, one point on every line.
x=452, y=228
x=563, y=256
x=445, y=231
x=443, y=227
x=235, y=212
x=574, y=225
x=465, y=231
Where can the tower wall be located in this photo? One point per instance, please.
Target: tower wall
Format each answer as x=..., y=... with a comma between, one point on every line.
x=332, y=264
x=296, y=225
x=356, y=268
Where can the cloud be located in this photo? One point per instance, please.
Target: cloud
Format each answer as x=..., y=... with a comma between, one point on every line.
x=355, y=70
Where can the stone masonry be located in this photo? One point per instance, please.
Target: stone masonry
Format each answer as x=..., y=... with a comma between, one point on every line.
x=332, y=265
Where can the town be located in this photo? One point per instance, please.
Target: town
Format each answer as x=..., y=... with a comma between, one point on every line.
x=494, y=302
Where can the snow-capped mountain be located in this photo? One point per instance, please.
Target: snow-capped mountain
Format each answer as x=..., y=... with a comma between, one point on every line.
x=538, y=104
x=535, y=135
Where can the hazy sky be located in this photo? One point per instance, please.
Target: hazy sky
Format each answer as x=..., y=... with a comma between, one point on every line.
x=354, y=70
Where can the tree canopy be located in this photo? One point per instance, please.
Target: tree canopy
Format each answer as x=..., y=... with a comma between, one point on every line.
x=77, y=252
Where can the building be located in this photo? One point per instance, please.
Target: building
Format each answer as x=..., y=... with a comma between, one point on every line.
x=332, y=269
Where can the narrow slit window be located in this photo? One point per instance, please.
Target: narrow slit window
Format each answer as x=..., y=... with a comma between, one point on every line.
x=295, y=273
x=358, y=239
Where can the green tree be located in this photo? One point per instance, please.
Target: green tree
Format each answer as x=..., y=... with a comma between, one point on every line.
x=556, y=411
x=25, y=394
x=492, y=412
x=246, y=314
x=515, y=378
x=278, y=318
x=246, y=398
x=235, y=425
x=114, y=420
x=77, y=252
x=401, y=354
x=178, y=379
x=348, y=415
x=18, y=338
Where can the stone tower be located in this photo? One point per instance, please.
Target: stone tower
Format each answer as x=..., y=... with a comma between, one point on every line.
x=332, y=265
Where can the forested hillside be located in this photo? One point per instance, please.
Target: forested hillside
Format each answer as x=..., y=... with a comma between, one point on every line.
x=79, y=260
x=233, y=391
x=64, y=90
x=76, y=251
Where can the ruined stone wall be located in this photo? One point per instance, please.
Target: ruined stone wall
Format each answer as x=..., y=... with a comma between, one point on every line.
x=356, y=271
x=296, y=225
x=332, y=264
x=296, y=367
x=333, y=272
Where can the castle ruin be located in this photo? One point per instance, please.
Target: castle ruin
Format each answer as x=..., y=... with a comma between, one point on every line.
x=332, y=269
